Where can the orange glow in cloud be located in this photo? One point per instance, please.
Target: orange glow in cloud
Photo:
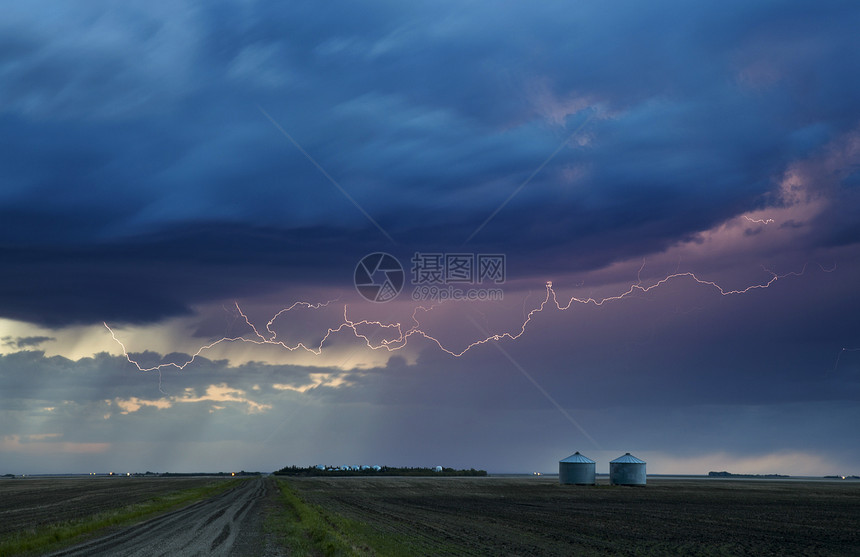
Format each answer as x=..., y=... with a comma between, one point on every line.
x=214, y=393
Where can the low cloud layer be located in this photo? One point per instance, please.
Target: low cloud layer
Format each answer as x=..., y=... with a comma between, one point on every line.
x=144, y=178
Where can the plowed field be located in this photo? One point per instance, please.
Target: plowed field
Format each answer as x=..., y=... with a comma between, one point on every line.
x=537, y=516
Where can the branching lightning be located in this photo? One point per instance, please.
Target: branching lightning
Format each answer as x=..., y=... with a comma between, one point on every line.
x=271, y=339
x=402, y=332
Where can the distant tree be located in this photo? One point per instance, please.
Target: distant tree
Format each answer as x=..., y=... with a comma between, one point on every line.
x=383, y=471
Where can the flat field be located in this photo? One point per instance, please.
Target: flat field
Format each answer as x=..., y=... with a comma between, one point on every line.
x=27, y=503
x=537, y=516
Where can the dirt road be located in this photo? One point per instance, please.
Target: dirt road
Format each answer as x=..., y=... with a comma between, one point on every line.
x=229, y=523
x=33, y=503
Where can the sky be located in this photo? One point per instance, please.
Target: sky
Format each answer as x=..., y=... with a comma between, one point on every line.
x=669, y=191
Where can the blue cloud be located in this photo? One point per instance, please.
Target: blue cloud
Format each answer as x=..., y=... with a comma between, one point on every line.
x=131, y=126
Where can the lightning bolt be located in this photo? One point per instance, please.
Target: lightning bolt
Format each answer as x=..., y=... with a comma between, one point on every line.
x=759, y=221
x=839, y=356
x=402, y=332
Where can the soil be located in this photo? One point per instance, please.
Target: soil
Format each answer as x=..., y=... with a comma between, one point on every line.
x=33, y=502
x=224, y=525
x=473, y=516
x=537, y=516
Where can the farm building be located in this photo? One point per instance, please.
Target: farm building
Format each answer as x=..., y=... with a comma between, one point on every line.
x=576, y=469
x=627, y=470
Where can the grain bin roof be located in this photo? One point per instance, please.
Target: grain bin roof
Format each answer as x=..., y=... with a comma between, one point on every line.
x=576, y=457
x=628, y=458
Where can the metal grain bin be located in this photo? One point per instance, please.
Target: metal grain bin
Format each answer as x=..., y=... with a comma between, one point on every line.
x=627, y=470
x=576, y=469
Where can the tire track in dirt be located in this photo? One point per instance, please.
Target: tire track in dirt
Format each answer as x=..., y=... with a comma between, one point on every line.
x=203, y=528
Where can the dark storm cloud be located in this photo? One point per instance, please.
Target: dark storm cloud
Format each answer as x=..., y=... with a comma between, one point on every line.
x=656, y=375
x=160, y=275
x=138, y=170
x=25, y=342
x=31, y=377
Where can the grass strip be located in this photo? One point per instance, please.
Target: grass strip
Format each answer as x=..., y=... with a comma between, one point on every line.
x=51, y=537
x=311, y=530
